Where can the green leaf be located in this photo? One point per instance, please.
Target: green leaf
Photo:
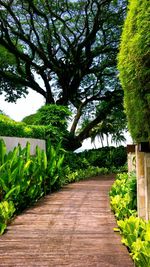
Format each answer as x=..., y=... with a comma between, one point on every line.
x=15, y=189
x=3, y=226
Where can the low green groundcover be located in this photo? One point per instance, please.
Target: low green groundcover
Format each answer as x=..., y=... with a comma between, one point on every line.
x=135, y=231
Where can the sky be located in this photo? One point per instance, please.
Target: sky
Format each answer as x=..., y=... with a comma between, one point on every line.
x=23, y=107
x=30, y=104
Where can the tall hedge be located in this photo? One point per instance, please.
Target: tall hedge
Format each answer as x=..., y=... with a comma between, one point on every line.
x=9, y=127
x=134, y=68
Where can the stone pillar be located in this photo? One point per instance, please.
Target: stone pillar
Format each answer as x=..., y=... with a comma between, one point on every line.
x=131, y=158
x=143, y=180
x=147, y=183
x=141, y=201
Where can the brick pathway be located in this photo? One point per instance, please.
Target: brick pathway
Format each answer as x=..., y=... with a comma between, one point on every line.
x=72, y=227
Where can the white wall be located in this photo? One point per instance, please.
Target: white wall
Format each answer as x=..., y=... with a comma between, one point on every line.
x=12, y=142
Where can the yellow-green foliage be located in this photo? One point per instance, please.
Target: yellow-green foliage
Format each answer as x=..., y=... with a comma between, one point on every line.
x=134, y=68
x=136, y=236
x=9, y=127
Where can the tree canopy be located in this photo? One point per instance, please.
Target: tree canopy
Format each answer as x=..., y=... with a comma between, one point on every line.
x=64, y=50
x=134, y=67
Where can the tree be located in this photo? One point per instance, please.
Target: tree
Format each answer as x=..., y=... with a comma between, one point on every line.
x=71, y=46
x=134, y=67
x=11, y=88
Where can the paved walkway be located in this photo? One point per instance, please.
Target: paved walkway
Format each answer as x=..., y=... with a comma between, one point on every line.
x=72, y=227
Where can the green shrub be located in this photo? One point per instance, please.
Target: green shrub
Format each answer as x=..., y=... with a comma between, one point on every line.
x=110, y=158
x=84, y=174
x=135, y=231
x=54, y=118
x=50, y=115
x=7, y=210
x=11, y=128
x=133, y=65
x=136, y=236
x=25, y=178
x=6, y=118
x=106, y=157
x=123, y=196
x=31, y=119
x=75, y=161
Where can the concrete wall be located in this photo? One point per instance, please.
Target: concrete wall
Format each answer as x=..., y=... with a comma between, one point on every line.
x=12, y=142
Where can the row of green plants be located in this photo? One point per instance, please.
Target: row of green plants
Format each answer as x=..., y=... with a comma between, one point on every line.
x=82, y=174
x=135, y=231
x=25, y=178
x=107, y=157
x=112, y=158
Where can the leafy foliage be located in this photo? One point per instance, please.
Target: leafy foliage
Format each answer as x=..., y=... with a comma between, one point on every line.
x=9, y=127
x=123, y=196
x=54, y=118
x=81, y=174
x=94, y=162
x=135, y=231
x=25, y=178
x=50, y=115
x=113, y=125
x=106, y=157
x=136, y=236
x=7, y=210
x=13, y=90
x=133, y=64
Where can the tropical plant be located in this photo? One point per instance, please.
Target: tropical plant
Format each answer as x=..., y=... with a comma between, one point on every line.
x=136, y=236
x=123, y=196
x=7, y=210
x=25, y=178
x=135, y=231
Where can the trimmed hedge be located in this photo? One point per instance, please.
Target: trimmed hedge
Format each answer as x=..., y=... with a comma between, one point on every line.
x=107, y=157
x=134, y=67
x=9, y=127
x=21, y=130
